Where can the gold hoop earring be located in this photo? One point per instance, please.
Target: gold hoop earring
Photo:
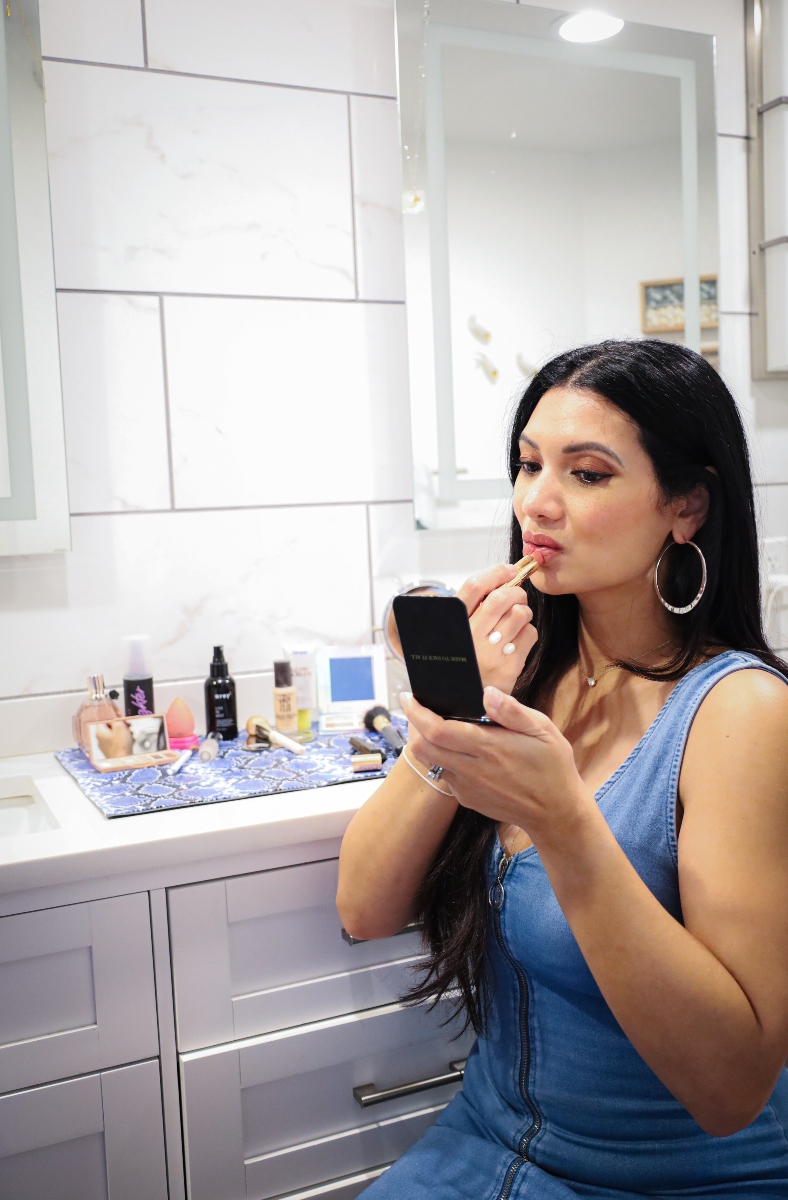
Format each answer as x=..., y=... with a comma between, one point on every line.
x=687, y=607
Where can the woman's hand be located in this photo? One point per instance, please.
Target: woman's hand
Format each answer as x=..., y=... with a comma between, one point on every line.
x=523, y=774
x=499, y=610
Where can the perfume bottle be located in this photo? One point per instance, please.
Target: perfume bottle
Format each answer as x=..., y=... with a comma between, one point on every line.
x=97, y=706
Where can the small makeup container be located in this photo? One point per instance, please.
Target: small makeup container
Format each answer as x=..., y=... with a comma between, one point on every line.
x=221, y=719
x=285, y=700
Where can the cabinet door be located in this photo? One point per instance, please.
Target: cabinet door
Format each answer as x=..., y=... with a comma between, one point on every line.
x=282, y=1112
x=76, y=990
x=264, y=952
x=95, y=1138
x=339, y=1189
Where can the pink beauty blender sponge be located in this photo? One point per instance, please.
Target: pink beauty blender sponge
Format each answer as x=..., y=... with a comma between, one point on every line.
x=180, y=725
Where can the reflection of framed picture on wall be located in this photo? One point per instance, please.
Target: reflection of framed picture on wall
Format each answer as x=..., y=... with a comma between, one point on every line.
x=662, y=305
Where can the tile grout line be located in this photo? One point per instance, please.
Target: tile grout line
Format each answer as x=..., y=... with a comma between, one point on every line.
x=146, y=70
x=157, y=512
x=370, y=578
x=221, y=296
x=144, y=19
x=167, y=417
x=352, y=196
x=178, y=679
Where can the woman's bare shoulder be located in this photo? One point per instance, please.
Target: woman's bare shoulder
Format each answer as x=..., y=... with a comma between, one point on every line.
x=739, y=731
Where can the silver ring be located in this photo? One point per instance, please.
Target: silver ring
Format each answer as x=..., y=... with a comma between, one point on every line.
x=509, y=648
x=435, y=773
x=495, y=637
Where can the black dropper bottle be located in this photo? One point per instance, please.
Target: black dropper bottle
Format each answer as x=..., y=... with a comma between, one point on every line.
x=221, y=718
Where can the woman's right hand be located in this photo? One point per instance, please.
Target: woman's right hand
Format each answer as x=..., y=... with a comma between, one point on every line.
x=494, y=608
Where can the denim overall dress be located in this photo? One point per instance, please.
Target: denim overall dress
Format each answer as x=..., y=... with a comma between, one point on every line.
x=556, y=1102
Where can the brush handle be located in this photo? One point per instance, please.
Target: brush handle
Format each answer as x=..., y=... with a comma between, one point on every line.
x=392, y=736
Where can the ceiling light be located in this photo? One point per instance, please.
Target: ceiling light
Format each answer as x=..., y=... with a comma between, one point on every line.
x=590, y=26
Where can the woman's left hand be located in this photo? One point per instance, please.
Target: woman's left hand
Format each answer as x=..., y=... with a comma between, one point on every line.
x=522, y=774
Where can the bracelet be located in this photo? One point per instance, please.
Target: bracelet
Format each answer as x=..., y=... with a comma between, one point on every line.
x=423, y=778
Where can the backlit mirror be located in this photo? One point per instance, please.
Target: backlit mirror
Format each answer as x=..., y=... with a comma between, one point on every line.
x=34, y=514
x=554, y=194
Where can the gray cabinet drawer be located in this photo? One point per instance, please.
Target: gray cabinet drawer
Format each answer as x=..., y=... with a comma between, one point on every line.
x=76, y=990
x=92, y=1138
x=277, y=1113
x=263, y=952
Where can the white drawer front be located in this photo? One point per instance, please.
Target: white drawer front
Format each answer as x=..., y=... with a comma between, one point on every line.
x=277, y=1113
x=95, y=1138
x=76, y=990
x=264, y=952
x=346, y=1188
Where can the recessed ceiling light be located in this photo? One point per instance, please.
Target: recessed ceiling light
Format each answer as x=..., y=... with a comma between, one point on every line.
x=590, y=26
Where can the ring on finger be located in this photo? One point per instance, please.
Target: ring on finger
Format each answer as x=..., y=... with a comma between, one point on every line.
x=509, y=648
x=495, y=637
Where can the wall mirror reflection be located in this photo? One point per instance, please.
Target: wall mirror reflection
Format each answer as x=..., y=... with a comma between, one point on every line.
x=555, y=193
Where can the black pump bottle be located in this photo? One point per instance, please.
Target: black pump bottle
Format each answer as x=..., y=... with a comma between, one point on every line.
x=221, y=718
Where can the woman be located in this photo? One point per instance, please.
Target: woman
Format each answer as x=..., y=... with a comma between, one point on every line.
x=604, y=878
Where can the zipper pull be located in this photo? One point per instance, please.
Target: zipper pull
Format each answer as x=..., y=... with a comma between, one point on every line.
x=497, y=893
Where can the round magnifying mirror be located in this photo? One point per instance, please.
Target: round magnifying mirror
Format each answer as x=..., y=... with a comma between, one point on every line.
x=425, y=587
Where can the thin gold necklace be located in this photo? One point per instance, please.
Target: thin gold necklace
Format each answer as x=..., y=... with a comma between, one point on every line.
x=593, y=680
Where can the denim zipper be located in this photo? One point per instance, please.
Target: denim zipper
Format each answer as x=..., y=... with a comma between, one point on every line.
x=497, y=897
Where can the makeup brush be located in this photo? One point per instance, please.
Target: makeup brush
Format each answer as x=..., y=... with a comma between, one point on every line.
x=525, y=567
x=378, y=720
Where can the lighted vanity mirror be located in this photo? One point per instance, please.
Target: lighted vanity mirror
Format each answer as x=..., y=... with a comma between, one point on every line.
x=33, y=495
x=554, y=194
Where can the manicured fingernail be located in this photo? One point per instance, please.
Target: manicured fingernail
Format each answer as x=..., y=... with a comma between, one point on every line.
x=406, y=697
x=493, y=696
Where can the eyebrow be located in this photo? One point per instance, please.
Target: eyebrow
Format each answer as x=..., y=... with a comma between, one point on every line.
x=578, y=448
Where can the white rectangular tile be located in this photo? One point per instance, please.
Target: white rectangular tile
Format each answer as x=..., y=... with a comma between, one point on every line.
x=254, y=581
x=105, y=31
x=114, y=404
x=734, y=275
x=162, y=183
x=287, y=402
x=345, y=45
x=377, y=195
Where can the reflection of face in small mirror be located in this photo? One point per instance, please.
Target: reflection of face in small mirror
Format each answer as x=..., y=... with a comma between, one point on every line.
x=426, y=587
x=129, y=735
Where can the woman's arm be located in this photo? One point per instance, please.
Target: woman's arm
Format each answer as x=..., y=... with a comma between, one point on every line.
x=392, y=841
x=704, y=1004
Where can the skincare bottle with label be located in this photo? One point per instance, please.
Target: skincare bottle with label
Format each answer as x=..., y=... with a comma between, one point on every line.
x=138, y=677
x=221, y=718
x=285, y=702
x=304, y=683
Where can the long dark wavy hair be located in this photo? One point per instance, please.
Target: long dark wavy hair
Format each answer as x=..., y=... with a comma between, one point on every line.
x=687, y=422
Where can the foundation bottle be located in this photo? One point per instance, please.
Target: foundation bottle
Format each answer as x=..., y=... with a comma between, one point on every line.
x=97, y=706
x=285, y=701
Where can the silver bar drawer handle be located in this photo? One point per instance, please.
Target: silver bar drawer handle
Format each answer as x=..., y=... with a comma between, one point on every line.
x=367, y=1093
x=413, y=927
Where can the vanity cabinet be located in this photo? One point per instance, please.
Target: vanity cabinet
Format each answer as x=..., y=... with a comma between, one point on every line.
x=94, y=1138
x=76, y=990
x=285, y=1026
x=266, y=951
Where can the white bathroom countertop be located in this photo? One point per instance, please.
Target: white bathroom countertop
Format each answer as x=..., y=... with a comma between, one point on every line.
x=86, y=845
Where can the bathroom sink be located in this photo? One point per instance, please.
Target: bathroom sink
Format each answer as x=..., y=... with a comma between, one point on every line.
x=22, y=807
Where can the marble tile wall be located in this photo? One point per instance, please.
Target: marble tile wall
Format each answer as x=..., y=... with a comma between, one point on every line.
x=226, y=197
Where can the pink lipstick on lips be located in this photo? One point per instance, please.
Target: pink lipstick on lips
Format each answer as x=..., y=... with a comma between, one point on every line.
x=542, y=545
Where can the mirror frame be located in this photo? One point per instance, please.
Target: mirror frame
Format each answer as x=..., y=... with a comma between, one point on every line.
x=34, y=518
